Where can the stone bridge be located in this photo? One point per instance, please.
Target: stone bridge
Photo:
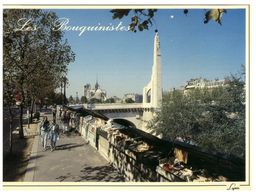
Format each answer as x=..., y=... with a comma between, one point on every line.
x=137, y=113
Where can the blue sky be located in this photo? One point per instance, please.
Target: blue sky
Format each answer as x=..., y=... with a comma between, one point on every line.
x=122, y=61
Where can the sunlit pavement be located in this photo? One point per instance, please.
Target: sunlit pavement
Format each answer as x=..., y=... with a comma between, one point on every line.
x=73, y=161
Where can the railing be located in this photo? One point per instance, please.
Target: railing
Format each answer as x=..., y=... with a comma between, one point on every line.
x=116, y=106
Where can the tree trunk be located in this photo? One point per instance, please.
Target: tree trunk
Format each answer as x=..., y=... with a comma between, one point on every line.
x=10, y=129
x=65, y=99
x=27, y=114
x=21, y=133
x=40, y=105
x=61, y=95
x=32, y=110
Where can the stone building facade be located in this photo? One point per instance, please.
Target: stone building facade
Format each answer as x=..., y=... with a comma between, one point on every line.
x=95, y=93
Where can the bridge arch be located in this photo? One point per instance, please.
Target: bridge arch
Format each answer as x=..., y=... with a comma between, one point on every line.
x=124, y=122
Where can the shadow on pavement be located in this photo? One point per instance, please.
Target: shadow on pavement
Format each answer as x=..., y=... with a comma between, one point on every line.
x=24, y=162
x=62, y=178
x=105, y=173
x=27, y=170
x=68, y=146
x=15, y=166
x=101, y=174
x=71, y=133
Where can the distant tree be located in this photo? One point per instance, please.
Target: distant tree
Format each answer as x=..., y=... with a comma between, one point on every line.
x=83, y=100
x=77, y=100
x=129, y=100
x=214, y=118
x=54, y=98
x=71, y=100
x=95, y=101
x=110, y=100
x=142, y=19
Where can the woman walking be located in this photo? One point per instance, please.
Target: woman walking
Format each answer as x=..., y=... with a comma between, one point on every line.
x=54, y=134
x=44, y=131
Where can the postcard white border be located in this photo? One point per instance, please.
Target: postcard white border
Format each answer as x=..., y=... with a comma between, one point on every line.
x=249, y=80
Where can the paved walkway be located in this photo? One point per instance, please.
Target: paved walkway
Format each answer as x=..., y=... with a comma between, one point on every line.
x=72, y=161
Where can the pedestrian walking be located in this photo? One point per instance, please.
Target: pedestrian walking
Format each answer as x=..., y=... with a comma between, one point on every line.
x=65, y=121
x=54, y=111
x=59, y=113
x=54, y=135
x=44, y=132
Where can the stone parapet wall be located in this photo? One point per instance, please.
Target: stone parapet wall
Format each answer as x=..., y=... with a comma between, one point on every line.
x=142, y=157
x=114, y=146
x=103, y=147
x=128, y=163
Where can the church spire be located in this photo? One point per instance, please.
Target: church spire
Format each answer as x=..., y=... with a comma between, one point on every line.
x=97, y=86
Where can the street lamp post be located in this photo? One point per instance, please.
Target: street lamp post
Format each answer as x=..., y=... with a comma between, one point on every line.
x=63, y=85
x=65, y=82
x=61, y=95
